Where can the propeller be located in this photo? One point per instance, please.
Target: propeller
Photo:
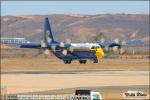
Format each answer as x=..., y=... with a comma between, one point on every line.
x=121, y=51
x=43, y=44
x=65, y=52
x=106, y=48
x=123, y=42
x=117, y=48
x=68, y=41
x=53, y=48
x=61, y=44
x=47, y=52
x=102, y=40
x=44, y=48
x=116, y=40
x=70, y=48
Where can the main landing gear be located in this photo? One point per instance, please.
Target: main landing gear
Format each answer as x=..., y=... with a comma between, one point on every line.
x=82, y=61
x=67, y=61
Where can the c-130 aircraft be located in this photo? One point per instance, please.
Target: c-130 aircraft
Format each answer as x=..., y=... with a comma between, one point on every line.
x=69, y=51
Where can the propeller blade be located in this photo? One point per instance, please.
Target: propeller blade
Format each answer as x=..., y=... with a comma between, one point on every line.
x=115, y=49
x=123, y=42
x=102, y=40
x=106, y=48
x=71, y=49
x=116, y=40
x=53, y=48
x=121, y=51
x=43, y=44
x=68, y=41
x=64, y=52
x=46, y=52
x=62, y=44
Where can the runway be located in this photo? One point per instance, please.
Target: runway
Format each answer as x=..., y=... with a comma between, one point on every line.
x=23, y=82
x=80, y=73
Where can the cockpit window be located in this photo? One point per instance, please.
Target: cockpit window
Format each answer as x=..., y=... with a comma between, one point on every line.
x=93, y=47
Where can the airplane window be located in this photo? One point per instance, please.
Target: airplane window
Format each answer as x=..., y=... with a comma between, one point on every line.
x=93, y=47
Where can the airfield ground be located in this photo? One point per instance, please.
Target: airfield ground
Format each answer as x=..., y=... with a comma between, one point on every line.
x=106, y=82
x=55, y=65
x=30, y=60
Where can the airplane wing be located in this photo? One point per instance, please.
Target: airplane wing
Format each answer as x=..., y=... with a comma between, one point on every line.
x=115, y=44
x=31, y=45
x=110, y=44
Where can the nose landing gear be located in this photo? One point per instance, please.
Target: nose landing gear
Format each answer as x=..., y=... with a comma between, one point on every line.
x=95, y=61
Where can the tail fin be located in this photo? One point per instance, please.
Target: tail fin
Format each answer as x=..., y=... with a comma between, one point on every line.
x=48, y=36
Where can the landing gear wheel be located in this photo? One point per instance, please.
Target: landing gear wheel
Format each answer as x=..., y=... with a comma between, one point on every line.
x=67, y=61
x=95, y=61
x=82, y=61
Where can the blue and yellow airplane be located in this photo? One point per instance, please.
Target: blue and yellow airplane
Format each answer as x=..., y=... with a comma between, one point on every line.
x=69, y=51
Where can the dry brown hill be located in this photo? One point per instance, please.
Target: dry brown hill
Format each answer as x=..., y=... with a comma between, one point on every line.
x=78, y=27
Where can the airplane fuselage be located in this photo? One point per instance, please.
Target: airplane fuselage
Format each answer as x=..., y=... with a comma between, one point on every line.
x=81, y=52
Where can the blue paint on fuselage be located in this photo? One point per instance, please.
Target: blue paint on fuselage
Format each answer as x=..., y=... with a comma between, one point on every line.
x=76, y=55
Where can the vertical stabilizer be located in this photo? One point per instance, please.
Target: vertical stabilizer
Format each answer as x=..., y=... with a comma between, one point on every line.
x=48, y=36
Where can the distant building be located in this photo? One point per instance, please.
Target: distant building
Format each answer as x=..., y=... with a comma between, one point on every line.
x=5, y=40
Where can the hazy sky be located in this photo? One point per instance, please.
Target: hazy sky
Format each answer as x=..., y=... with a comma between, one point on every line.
x=73, y=7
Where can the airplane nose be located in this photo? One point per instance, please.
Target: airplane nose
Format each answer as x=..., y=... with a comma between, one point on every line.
x=99, y=53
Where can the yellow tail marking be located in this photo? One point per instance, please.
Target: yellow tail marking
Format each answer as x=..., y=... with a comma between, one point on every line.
x=49, y=39
x=47, y=36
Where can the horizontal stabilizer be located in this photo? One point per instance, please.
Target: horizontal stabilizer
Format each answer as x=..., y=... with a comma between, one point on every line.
x=110, y=44
x=31, y=45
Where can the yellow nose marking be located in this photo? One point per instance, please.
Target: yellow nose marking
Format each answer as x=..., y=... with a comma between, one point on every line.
x=99, y=53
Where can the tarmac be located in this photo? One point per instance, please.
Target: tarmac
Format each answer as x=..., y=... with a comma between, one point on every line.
x=45, y=81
